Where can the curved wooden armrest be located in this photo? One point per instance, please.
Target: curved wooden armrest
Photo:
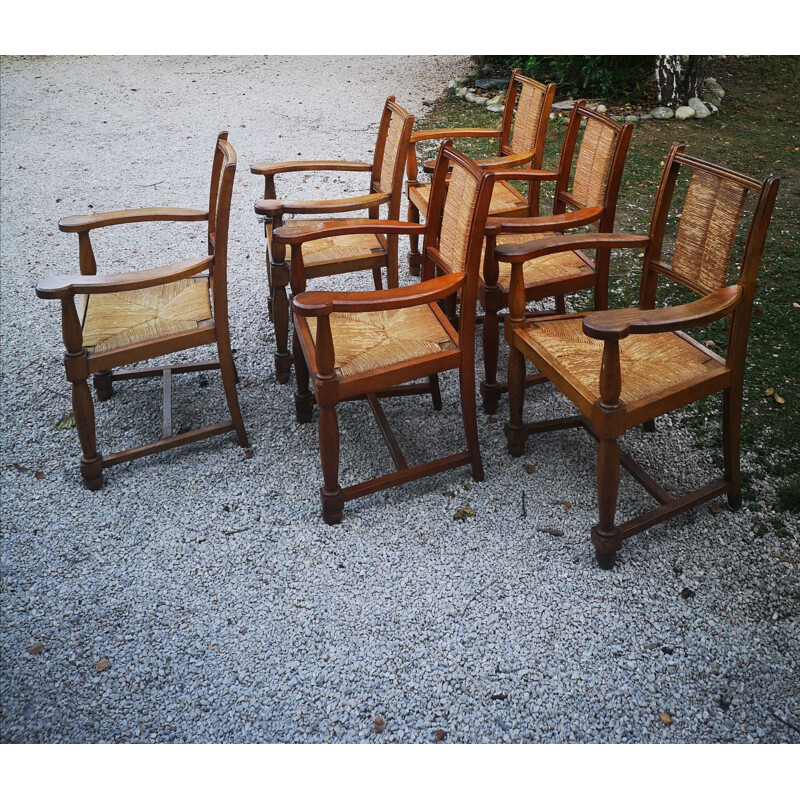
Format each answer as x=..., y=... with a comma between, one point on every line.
x=496, y=163
x=454, y=133
x=309, y=231
x=618, y=323
x=524, y=175
x=519, y=253
x=267, y=168
x=556, y=222
x=61, y=286
x=488, y=164
x=272, y=208
x=87, y=222
x=320, y=304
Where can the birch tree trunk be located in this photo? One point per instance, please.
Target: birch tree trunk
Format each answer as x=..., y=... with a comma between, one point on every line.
x=668, y=79
x=696, y=71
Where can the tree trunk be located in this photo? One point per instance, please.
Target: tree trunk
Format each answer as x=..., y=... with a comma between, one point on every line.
x=668, y=79
x=696, y=71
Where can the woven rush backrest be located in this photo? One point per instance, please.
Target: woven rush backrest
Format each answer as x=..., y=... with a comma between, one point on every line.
x=709, y=222
x=528, y=117
x=459, y=207
x=393, y=140
x=593, y=163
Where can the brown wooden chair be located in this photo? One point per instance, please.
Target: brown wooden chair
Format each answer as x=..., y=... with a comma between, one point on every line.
x=357, y=345
x=354, y=252
x=520, y=143
x=624, y=367
x=110, y=321
x=586, y=188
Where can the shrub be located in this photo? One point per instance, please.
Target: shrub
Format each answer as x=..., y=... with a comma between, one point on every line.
x=609, y=77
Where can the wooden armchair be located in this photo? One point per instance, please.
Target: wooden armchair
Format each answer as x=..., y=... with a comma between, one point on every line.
x=624, y=367
x=353, y=252
x=520, y=143
x=110, y=321
x=367, y=345
x=594, y=166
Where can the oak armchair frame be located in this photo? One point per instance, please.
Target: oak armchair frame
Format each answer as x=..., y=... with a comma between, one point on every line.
x=315, y=356
x=508, y=153
x=384, y=190
x=605, y=415
x=75, y=291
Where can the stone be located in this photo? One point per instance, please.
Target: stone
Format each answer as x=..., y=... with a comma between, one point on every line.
x=662, y=112
x=480, y=101
x=494, y=108
x=491, y=83
x=700, y=109
x=631, y=118
x=462, y=91
x=564, y=105
x=643, y=117
x=470, y=97
x=601, y=109
x=684, y=112
x=711, y=96
x=617, y=117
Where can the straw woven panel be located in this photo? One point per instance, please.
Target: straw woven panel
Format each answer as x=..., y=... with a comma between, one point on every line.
x=390, y=152
x=504, y=199
x=526, y=120
x=125, y=318
x=707, y=230
x=459, y=206
x=650, y=363
x=594, y=159
x=339, y=248
x=379, y=339
x=544, y=268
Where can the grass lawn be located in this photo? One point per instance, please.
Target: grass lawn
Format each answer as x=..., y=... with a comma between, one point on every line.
x=757, y=132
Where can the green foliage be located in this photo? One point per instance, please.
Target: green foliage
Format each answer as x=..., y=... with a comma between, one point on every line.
x=607, y=77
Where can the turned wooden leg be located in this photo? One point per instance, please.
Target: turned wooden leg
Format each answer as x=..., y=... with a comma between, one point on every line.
x=83, y=411
x=561, y=307
x=490, y=390
x=331, y=493
x=731, y=444
x=280, y=318
x=376, y=278
x=303, y=397
x=605, y=535
x=414, y=257
x=229, y=378
x=103, y=386
x=515, y=429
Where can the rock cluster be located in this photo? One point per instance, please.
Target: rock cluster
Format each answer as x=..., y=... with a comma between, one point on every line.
x=696, y=108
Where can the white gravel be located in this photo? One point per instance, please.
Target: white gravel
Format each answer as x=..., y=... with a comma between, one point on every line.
x=227, y=609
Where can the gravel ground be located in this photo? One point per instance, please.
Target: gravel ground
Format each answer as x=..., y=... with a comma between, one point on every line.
x=226, y=609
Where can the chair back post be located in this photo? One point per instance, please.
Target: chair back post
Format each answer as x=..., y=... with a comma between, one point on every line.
x=213, y=195
x=222, y=180
x=504, y=142
x=751, y=262
x=658, y=225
